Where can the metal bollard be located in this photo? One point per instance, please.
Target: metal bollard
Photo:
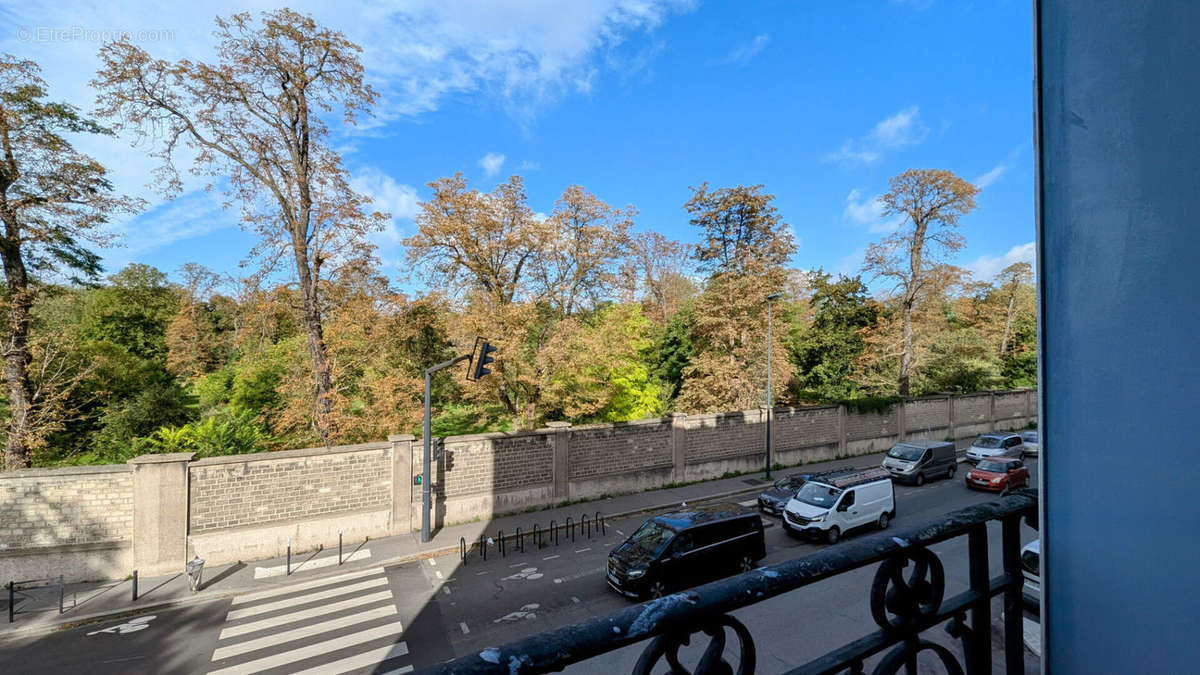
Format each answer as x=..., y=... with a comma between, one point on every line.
x=135, y=585
x=570, y=525
x=339, y=547
x=585, y=523
x=462, y=549
x=500, y=538
x=12, y=587
x=62, y=592
x=288, y=569
x=600, y=523
x=554, y=532
x=483, y=545
x=537, y=537
x=520, y=541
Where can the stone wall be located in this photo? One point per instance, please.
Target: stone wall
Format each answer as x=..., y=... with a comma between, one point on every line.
x=81, y=516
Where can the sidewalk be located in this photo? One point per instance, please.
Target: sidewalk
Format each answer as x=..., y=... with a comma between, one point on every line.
x=88, y=602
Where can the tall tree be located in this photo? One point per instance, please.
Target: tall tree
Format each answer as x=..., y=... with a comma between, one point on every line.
x=1011, y=280
x=656, y=271
x=53, y=199
x=827, y=351
x=255, y=117
x=744, y=249
x=931, y=201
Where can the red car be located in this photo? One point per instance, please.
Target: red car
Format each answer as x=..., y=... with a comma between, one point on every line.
x=997, y=474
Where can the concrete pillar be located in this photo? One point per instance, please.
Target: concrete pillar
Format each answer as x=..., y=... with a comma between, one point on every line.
x=561, y=440
x=678, y=447
x=401, y=482
x=160, y=512
x=991, y=411
x=950, y=417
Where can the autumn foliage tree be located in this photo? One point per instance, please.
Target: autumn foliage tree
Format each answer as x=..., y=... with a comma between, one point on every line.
x=930, y=201
x=744, y=249
x=53, y=200
x=256, y=118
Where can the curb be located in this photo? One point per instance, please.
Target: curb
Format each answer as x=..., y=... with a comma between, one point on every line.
x=85, y=619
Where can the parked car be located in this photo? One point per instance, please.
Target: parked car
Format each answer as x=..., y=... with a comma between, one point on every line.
x=997, y=474
x=685, y=548
x=1031, y=591
x=773, y=499
x=1030, y=440
x=995, y=445
x=835, y=502
x=914, y=461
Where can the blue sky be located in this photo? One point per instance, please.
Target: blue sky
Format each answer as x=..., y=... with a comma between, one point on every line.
x=635, y=100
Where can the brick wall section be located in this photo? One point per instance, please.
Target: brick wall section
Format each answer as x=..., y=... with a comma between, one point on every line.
x=296, y=484
x=927, y=413
x=972, y=409
x=1010, y=405
x=725, y=435
x=491, y=462
x=55, y=507
x=804, y=427
x=863, y=426
x=619, y=448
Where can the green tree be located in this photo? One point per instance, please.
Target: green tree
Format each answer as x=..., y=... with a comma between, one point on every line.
x=826, y=353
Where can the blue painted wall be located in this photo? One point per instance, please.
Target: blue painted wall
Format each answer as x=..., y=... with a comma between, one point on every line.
x=1120, y=286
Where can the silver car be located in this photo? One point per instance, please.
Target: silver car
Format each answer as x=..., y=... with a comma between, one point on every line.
x=989, y=446
x=1030, y=440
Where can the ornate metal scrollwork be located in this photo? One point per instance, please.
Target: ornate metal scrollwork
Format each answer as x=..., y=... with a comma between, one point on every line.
x=896, y=602
x=902, y=653
x=713, y=661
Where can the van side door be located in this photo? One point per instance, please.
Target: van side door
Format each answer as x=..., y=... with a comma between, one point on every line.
x=677, y=564
x=849, y=510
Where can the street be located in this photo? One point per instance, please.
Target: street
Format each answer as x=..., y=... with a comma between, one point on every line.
x=398, y=618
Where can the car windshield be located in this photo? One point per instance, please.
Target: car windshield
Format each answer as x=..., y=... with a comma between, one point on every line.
x=790, y=483
x=651, y=537
x=816, y=494
x=905, y=452
x=1029, y=437
x=988, y=442
x=998, y=467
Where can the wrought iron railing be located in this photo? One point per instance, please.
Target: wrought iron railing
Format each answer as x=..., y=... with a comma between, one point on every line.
x=907, y=598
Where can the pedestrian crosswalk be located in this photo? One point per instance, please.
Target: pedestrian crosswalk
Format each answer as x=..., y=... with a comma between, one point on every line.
x=342, y=624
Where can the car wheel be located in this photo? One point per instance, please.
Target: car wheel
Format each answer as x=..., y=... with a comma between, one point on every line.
x=746, y=563
x=920, y=479
x=833, y=535
x=657, y=589
x=950, y=472
x=883, y=521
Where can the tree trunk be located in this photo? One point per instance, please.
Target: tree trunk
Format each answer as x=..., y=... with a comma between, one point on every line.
x=1008, y=319
x=16, y=352
x=322, y=379
x=906, y=347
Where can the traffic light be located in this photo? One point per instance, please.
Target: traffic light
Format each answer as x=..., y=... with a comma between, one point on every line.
x=482, y=360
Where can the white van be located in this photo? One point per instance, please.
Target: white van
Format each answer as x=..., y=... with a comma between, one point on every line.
x=834, y=502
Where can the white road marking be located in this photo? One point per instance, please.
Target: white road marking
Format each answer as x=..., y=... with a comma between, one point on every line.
x=749, y=502
x=304, y=599
x=302, y=632
x=619, y=532
x=318, y=648
x=439, y=574
x=315, y=563
x=526, y=612
x=131, y=626
x=583, y=550
x=574, y=599
x=550, y=557
x=478, y=574
x=432, y=562
x=517, y=565
x=400, y=671
x=263, y=624
x=446, y=589
x=463, y=626
x=316, y=583
x=363, y=660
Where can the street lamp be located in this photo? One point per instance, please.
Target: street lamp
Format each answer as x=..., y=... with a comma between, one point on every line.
x=770, y=402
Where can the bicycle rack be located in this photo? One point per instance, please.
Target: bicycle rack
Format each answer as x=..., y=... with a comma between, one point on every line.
x=600, y=524
x=537, y=537
x=520, y=541
x=462, y=549
x=585, y=523
x=570, y=526
x=483, y=545
x=500, y=538
x=554, y=532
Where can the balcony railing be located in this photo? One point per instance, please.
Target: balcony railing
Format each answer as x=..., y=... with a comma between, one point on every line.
x=907, y=598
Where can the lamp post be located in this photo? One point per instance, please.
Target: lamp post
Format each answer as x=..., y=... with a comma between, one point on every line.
x=770, y=401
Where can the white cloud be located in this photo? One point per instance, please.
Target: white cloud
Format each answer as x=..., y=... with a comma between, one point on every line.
x=850, y=265
x=191, y=215
x=991, y=176
x=387, y=196
x=901, y=130
x=985, y=268
x=862, y=211
x=742, y=53
x=491, y=163
x=528, y=165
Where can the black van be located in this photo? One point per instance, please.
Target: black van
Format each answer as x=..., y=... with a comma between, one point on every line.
x=686, y=548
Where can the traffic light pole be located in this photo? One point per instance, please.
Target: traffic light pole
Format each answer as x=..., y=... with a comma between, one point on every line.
x=427, y=435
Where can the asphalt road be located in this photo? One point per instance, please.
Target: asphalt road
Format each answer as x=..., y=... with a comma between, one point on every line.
x=395, y=619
